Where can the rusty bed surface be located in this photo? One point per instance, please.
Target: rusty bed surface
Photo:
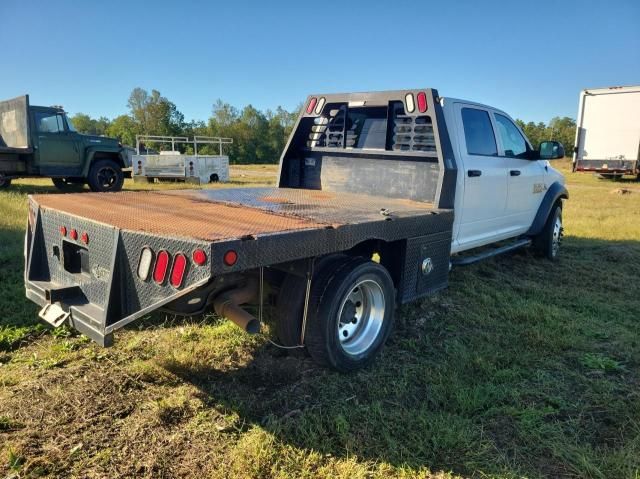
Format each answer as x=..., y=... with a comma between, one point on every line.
x=215, y=215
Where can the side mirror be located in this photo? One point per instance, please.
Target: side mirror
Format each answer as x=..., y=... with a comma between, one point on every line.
x=551, y=150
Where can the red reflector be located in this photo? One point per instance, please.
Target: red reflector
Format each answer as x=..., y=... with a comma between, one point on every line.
x=199, y=257
x=85, y=238
x=63, y=230
x=73, y=234
x=162, y=264
x=312, y=104
x=422, y=101
x=230, y=257
x=178, y=270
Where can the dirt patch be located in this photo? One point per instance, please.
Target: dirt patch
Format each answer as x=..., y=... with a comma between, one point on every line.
x=622, y=191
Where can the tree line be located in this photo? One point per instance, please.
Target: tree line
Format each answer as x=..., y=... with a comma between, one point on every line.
x=562, y=129
x=258, y=136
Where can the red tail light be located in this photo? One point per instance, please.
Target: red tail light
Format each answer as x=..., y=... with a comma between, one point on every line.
x=162, y=264
x=199, y=257
x=230, y=258
x=312, y=104
x=178, y=270
x=422, y=101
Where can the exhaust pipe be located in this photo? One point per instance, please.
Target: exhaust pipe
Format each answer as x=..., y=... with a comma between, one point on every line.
x=228, y=305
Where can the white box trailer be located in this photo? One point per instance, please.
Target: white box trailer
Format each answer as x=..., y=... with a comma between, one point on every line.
x=608, y=132
x=149, y=165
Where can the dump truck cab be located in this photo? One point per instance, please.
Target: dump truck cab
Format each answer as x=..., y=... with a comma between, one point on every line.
x=42, y=141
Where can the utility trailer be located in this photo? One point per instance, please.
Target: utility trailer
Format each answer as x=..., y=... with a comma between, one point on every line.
x=608, y=132
x=173, y=165
x=362, y=219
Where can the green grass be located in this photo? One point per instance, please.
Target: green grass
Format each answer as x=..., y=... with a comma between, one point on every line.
x=522, y=368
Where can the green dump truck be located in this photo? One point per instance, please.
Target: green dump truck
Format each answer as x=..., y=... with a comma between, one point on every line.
x=38, y=141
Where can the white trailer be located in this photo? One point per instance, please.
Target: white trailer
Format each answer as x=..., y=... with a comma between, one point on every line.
x=608, y=132
x=173, y=165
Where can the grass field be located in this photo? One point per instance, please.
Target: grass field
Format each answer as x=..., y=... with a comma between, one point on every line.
x=521, y=368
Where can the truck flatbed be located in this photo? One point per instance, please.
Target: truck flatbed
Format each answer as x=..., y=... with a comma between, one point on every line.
x=219, y=215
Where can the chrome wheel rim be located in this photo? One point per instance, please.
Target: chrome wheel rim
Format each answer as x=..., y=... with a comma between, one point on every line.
x=361, y=315
x=557, y=236
x=107, y=177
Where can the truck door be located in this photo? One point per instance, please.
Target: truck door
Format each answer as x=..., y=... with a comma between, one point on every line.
x=482, y=203
x=58, y=152
x=525, y=177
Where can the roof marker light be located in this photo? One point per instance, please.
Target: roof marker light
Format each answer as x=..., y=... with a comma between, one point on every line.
x=73, y=234
x=320, y=105
x=178, y=271
x=312, y=104
x=411, y=106
x=85, y=238
x=422, y=101
x=144, y=265
x=162, y=264
x=63, y=230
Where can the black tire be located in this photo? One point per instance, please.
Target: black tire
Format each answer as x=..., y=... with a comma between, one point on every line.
x=5, y=183
x=214, y=178
x=290, y=303
x=548, y=242
x=68, y=184
x=331, y=305
x=105, y=176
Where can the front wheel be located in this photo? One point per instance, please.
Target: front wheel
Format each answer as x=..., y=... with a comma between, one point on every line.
x=4, y=182
x=549, y=240
x=350, y=315
x=105, y=176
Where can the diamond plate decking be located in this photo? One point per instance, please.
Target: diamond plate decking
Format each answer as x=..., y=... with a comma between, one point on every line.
x=215, y=215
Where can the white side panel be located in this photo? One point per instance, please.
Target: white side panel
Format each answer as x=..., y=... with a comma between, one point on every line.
x=610, y=125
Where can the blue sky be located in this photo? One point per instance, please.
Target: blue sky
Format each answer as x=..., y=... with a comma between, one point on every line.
x=528, y=58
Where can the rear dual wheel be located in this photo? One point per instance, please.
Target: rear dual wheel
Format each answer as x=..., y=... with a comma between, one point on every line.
x=350, y=312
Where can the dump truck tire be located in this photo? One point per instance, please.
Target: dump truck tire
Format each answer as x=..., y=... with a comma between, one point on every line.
x=105, y=176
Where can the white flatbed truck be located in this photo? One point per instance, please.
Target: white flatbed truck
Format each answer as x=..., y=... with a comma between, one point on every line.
x=378, y=195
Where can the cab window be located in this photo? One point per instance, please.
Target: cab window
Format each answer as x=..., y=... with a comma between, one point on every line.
x=478, y=132
x=49, y=122
x=513, y=142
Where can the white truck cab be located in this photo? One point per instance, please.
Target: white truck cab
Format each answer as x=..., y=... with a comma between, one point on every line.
x=499, y=189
